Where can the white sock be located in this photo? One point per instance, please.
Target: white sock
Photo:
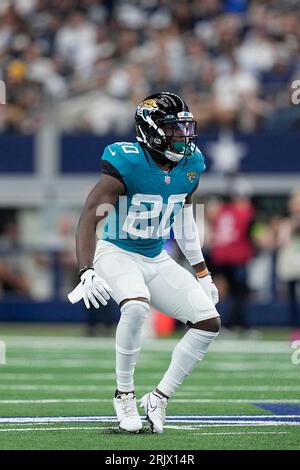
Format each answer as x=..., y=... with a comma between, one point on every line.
x=187, y=353
x=128, y=342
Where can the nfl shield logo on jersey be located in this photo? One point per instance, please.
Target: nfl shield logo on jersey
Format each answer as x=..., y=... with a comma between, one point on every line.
x=167, y=179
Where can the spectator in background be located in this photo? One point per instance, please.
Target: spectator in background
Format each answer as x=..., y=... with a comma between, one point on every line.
x=288, y=262
x=231, y=249
x=235, y=93
x=65, y=228
x=12, y=277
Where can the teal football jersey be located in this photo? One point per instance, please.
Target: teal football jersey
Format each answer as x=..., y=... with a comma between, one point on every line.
x=142, y=218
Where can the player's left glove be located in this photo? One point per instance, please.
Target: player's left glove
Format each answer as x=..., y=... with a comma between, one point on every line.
x=210, y=288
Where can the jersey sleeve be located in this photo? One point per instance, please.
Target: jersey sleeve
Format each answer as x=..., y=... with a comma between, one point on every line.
x=108, y=169
x=200, y=161
x=116, y=160
x=198, y=166
x=195, y=186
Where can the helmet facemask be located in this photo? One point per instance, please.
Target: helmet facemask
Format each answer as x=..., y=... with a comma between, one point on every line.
x=180, y=138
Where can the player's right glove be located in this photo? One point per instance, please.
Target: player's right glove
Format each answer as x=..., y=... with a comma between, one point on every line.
x=94, y=289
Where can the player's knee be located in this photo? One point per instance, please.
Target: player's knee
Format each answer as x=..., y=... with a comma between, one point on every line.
x=134, y=311
x=138, y=299
x=211, y=324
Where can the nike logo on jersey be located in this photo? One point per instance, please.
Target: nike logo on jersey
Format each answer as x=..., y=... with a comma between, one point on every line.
x=113, y=152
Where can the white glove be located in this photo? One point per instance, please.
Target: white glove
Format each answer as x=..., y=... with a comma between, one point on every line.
x=210, y=288
x=92, y=289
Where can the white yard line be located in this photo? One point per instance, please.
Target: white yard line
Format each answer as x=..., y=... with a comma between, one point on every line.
x=190, y=389
x=232, y=400
x=251, y=366
x=21, y=426
x=221, y=345
x=174, y=400
x=155, y=365
x=30, y=375
x=105, y=428
x=193, y=420
x=54, y=400
x=57, y=363
x=245, y=433
x=69, y=428
x=183, y=423
x=220, y=423
x=185, y=393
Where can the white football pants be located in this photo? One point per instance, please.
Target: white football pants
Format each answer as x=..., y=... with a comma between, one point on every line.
x=169, y=287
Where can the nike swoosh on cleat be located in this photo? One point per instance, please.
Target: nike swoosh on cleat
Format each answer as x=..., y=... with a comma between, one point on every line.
x=151, y=407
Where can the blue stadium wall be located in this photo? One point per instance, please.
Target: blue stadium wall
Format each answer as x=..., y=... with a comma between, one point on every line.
x=58, y=311
x=80, y=154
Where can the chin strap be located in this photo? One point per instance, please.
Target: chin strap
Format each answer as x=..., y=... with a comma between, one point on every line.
x=174, y=157
x=167, y=154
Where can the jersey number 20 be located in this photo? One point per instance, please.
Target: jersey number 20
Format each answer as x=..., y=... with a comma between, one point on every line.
x=144, y=223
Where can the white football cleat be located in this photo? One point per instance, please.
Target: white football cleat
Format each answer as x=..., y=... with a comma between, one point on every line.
x=127, y=413
x=155, y=409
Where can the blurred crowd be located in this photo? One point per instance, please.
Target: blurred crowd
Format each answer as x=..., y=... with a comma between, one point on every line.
x=232, y=60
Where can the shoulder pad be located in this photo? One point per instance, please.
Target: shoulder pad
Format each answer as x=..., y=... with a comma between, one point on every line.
x=198, y=160
x=121, y=155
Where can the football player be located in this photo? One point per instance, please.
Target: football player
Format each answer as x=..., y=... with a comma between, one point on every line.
x=145, y=188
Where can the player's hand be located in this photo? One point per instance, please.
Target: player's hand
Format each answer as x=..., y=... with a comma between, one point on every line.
x=210, y=288
x=94, y=289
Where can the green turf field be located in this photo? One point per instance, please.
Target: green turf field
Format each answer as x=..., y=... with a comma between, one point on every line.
x=56, y=393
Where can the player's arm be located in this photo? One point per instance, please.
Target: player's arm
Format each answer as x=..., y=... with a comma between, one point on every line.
x=99, y=202
x=198, y=263
x=103, y=196
x=187, y=237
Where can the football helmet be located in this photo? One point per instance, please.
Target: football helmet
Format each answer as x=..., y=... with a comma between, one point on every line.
x=165, y=125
